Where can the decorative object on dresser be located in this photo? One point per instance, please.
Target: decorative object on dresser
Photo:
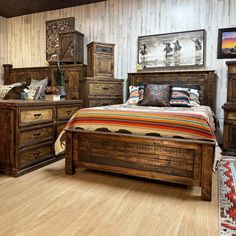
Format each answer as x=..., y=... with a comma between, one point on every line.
x=167, y=159
x=100, y=60
x=71, y=47
x=73, y=74
x=53, y=28
x=101, y=91
x=28, y=132
x=229, y=138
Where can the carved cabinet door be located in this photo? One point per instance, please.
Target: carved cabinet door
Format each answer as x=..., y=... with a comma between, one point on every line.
x=104, y=65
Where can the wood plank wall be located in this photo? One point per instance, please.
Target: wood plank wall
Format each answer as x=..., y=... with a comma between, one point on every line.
x=121, y=22
x=3, y=45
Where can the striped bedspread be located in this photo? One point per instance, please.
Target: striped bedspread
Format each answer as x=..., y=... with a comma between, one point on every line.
x=190, y=123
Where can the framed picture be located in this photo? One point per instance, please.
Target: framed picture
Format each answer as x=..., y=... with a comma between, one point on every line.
x=53, y=29
x=180, y=49
x=226, y=43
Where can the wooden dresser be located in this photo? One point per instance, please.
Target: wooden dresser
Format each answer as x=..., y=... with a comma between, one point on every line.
x=101, y=92
x=229, y=142
x=28, y=132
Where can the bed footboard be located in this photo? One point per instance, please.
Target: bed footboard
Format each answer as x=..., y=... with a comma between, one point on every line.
x=174, y=160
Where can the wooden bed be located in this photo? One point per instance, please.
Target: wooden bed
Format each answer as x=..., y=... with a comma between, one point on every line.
x=168, y=159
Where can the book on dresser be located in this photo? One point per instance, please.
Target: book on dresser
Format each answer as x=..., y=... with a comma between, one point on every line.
x=28, y=132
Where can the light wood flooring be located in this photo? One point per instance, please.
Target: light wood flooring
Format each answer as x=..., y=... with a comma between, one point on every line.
x=47, y=202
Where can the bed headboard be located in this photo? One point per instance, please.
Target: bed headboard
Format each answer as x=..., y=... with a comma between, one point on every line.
x=13, y=75
x=204, y=79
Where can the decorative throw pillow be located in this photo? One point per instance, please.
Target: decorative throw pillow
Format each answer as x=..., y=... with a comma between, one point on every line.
x=194, y=97
x=135, y=94
x=4, y=89
x=43, y=84
x=180, y=97
x=156, y=95
x=33, y=92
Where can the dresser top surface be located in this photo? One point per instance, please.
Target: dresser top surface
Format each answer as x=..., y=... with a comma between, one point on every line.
x=37, y=102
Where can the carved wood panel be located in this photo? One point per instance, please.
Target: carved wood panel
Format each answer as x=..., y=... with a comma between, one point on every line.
x=53, y=28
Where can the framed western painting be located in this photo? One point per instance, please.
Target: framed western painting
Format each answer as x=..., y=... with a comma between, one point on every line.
x=180, y=49
x=53, y=29
x=226, y=43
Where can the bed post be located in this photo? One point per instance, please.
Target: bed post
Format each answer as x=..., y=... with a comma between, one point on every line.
x=206, y=175
x=69, y=164
x=7, y=68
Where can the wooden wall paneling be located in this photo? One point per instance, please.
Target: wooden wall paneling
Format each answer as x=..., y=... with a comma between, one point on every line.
x=3, y=45
x=121, y=22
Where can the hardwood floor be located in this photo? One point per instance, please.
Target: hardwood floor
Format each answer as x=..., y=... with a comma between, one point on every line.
x=47, y=202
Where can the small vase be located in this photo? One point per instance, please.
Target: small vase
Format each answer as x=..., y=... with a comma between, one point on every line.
x=62, y=92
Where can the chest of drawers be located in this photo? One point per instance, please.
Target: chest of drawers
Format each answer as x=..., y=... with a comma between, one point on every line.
x=101, y=92
x=28, y=132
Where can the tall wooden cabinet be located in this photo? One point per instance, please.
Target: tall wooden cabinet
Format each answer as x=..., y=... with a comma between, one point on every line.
x=100, y=88
x=71, y=47
x=100, y=60
x=229, y=142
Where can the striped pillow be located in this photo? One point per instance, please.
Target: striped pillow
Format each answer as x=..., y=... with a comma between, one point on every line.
x=194, y=97
x=133, y=95
x=180, y=97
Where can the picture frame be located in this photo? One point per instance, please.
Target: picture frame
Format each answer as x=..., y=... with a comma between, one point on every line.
x=184, y=49
x=226, y=43
x=53, y=29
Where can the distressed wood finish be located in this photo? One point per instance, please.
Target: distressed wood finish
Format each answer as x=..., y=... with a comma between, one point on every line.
x=71, y=47
x=229, y=136
x=181, y=161
x=101, y=91
x=35, y=115
x=74, y=74
x=205, y=79
x=28, y=132
x=3, y=45
x=101, y=60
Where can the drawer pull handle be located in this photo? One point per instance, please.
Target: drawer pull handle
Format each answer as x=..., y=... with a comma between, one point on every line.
x=36, y=135
x=105, y=104
x=68, y=112
x=36, y=154
x=36, y=116
x=104, y=50
x=105, y=88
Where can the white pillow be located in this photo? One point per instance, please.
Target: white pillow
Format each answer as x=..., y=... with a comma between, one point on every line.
x=42, y=83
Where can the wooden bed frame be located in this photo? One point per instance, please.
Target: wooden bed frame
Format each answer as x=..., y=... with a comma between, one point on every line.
x=175, y=160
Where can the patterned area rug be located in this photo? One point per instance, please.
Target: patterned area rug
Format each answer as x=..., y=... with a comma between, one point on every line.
x=227, y=190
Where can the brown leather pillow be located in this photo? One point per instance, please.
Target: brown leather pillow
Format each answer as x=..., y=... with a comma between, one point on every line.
x=156, y=95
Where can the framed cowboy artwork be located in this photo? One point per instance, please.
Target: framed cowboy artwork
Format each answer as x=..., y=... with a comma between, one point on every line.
x=179, y=49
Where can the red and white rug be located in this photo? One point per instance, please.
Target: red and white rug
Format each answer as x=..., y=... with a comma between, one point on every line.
x=227, y=195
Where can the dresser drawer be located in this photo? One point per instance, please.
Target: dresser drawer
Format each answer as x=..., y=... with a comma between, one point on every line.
x=105, y=89
x=28, y=137
x=103, y=102
x=104, y=49
x=30, y=116
x=231, y=115
x=66, y=112
x=35, y=154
